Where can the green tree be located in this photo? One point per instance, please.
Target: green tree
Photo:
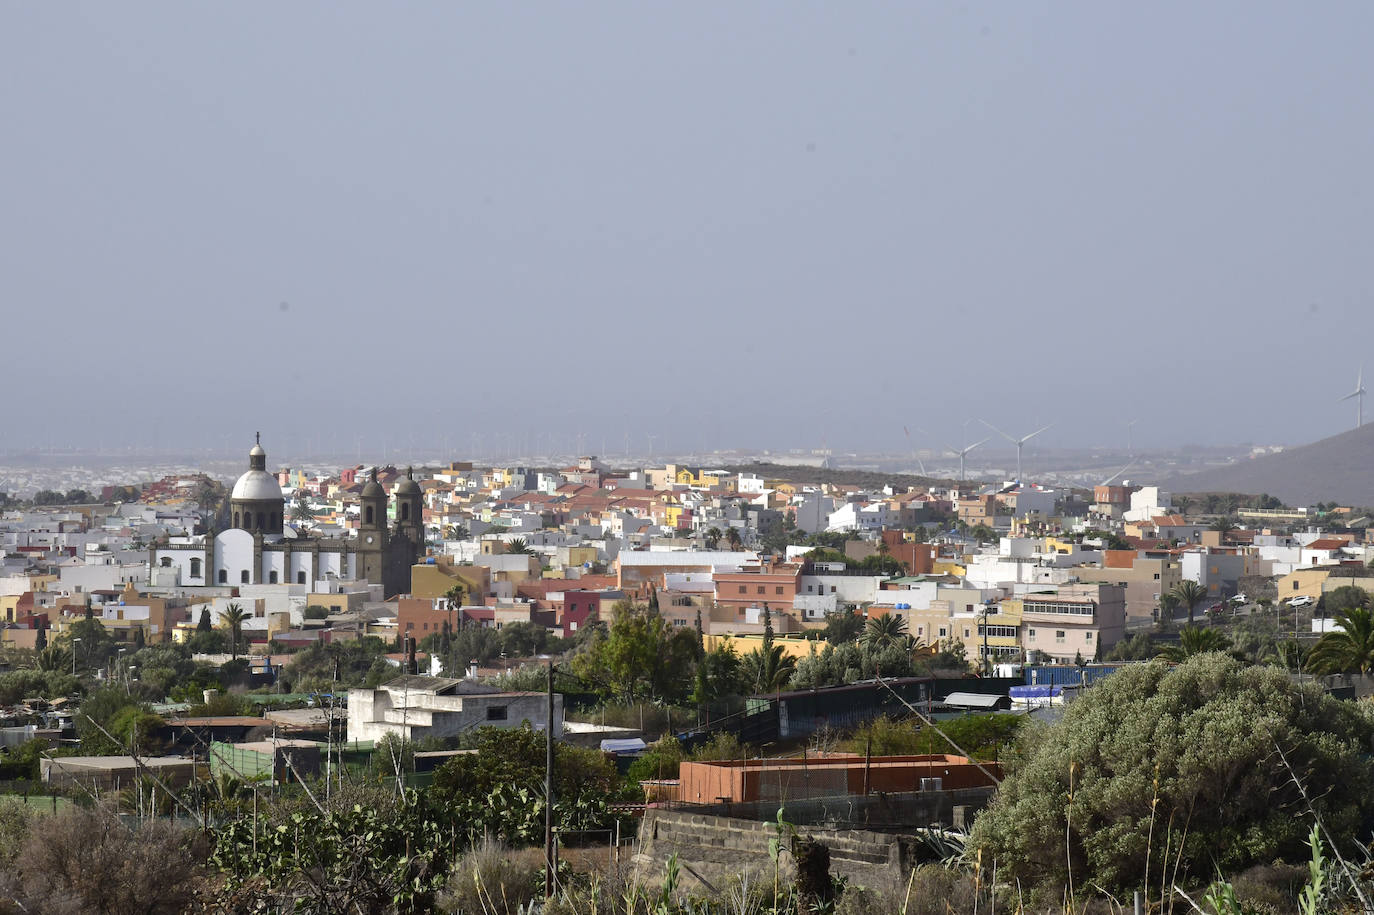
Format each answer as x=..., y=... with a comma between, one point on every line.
x=1195, y=640
x=1222, y=526
x=1348, y=649
x=642, y=655
x=842, y=626
x=1190, y=594
x=732, y=537
x=1344, y=599
x=767, y=670
x=499, y=789
x=982, y=533
x=205, y=624
x=712, y=538
x=953, y=655
x=234, y=616
x=211, y=642
x=717, y=675
x=1190, y=757
x=518, y=547
x=885, y=630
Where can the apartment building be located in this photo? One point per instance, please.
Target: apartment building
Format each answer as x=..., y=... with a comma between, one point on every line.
x=1075, y=621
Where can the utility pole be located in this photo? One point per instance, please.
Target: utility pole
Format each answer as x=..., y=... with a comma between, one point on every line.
x=549, y=863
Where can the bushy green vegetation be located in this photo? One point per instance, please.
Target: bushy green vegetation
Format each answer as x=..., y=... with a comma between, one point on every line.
x=1213, y=767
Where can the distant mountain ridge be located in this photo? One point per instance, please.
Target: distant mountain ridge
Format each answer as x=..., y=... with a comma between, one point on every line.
x=1336, y=469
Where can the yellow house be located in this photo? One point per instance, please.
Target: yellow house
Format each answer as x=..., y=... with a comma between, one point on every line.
x=9, y=606
x=743, y=644
x=581, y=555
x=1302, y=583
x=429, y=581
x=1057, y=545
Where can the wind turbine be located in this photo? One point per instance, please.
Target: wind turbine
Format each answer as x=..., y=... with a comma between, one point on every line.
x=1129, y=426
x=1108, y=481
x=961, y=452
x=1358, y=394
x=1018, y=442
x=919, y=463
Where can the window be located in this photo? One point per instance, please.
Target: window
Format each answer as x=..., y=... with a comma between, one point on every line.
x=966, y=632
x=942, y=632
x=1156, y=576
x=1295, y=585
x=405, y=511
x=742, y=589
x=224, y=576
x=1059, y=635
x=832, y=589
x=1087, y=636
x=236, y=520
x=272, y=577
x=496, y=713
x=1030, y=633
x=166, y=562
x=367, y=515
x=760, y=589
x=261, y=521
x=300, y=578
x=195, y=568
x=243, y=577
x=778, y=589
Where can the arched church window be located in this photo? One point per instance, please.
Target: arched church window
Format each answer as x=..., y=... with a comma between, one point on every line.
x=405, y=511
x=300, y=578
x=261, y=524
x=237, y=522
x=243, y=577
x=367, y=515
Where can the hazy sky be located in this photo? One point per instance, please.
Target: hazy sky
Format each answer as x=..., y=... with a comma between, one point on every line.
x=729, y=224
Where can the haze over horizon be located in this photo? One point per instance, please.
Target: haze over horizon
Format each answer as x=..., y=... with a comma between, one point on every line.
x=738, y=227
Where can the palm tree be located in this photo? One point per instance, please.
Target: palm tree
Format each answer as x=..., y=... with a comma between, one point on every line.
x=233, y=618
x=1168, y=603
x=712, y=538
x=303, y=512
x=54, y=658
x=768, y=670
x=732, y=537
x=1190, y=594
x=1222, y=525
x=1193, y=640
x=518, y=546
x=885, y=630
x=1347, y=649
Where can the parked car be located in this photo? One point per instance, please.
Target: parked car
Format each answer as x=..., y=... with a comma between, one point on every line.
x=1239, y=599
x=1302, y=600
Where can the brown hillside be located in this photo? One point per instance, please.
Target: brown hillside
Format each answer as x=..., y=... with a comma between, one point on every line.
x=1336, y=469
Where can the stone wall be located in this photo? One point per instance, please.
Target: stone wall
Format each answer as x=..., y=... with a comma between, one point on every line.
x=869, y=837
x=712, y=851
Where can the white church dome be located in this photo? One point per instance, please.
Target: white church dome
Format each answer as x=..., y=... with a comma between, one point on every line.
x=257, y=485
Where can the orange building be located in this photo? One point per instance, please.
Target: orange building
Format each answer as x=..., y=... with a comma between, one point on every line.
x=743, y=780
x=774, y=585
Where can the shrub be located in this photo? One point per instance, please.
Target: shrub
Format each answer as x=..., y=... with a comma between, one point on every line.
x=494, y=880
x=1205, y=741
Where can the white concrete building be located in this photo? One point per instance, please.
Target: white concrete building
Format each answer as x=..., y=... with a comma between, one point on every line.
x=415, y=707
